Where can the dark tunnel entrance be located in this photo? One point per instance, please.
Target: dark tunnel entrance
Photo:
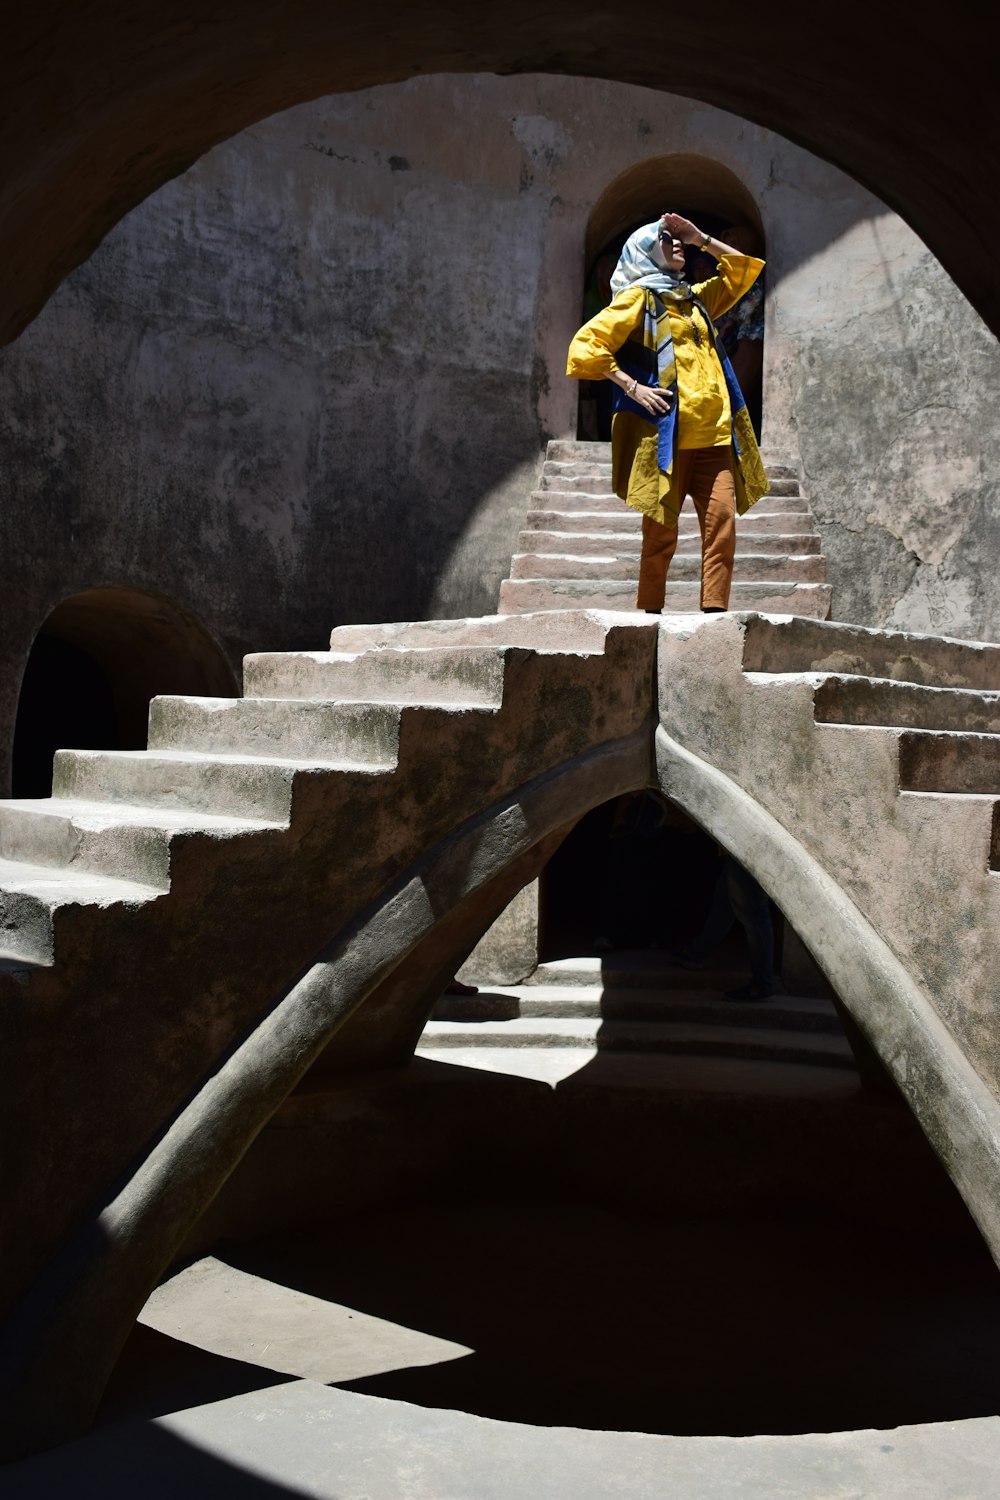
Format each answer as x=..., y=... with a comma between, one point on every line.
x=94, y=666
x=637, y=873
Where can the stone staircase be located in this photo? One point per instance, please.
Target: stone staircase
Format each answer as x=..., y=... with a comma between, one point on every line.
x=165, y=913
x=187, y=929
x=647, y=1013
x=121, y=826
x=580, y=545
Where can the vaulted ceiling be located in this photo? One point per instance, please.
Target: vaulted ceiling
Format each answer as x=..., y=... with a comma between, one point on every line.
x=104, y=100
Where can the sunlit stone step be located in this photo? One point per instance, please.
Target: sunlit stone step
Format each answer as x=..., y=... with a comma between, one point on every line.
x=935, y=661
x=685, y=565
x=773, y=596
x=628, y=543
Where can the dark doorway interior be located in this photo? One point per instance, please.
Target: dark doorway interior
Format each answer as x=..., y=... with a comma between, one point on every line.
x=635, y=871
x=95, y=664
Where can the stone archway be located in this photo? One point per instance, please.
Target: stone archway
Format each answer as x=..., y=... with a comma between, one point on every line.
x=95, y=663
x=699, y=182
x=106, y=106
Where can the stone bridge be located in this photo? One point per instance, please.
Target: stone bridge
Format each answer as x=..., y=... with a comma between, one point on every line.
x=284, y=882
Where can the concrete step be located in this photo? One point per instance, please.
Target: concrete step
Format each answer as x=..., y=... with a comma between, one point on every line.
x=643, y=966
x=236, y=786
x=573, y=631
x=629, y=543
x=123, y=842
x=36, y=898
x=575, y=450
x=620, y=518
x=465, y=676
x=866, y=700
x=553, y=472
x=572, y=479
x=782, y=484
x=363, y=734
x=596, y=480
x=604, y=500
x=685, y=565
x=653, y=1074
x=774, y=596
x=646, y=969
x=703, y=1006
x=733, y=1040
x=949, y=761
x=803, y=646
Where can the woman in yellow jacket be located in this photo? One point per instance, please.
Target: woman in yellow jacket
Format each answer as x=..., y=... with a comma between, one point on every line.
x=681, y=426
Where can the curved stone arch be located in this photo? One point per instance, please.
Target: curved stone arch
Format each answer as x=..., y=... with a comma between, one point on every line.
x=957, y=1112
x=61, y=1343
x=689, y=178
x=139, y=102
x=141, y=643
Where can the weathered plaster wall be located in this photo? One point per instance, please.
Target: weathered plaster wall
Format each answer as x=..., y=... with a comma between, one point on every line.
x=310, y=380
x=881, y=371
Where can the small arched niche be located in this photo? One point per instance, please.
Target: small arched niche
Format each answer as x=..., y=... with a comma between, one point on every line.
x=94, y=665
x=687, y=183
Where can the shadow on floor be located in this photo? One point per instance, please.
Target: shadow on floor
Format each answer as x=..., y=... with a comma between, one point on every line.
x=140, y=1461
x=156, y=1375
x=589, y=1318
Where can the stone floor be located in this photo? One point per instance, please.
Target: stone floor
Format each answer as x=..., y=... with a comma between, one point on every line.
x=304, y=1441
x=455, y=1352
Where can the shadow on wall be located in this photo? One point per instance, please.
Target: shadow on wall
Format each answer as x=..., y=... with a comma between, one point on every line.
x=94, y=666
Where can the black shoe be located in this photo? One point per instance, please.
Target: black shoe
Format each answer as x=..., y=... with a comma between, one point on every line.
x=750, y=991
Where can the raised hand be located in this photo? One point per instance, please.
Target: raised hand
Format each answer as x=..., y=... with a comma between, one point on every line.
x=681, y=229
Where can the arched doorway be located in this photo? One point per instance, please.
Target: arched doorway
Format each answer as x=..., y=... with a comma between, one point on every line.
x=637, y=877
x=96, y=662
x=700, y=188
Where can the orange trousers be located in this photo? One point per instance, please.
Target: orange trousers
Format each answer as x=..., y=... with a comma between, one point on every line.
x=706, y=474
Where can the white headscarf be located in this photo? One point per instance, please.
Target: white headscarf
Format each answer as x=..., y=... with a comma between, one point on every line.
x=642, y=263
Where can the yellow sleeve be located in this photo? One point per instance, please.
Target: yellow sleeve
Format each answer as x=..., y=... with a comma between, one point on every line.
x=736, y=275
x=592, y=352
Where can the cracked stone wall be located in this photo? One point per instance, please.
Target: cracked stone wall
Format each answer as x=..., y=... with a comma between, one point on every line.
x=310, y=380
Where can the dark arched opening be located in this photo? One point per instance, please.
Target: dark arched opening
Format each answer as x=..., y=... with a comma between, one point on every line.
x=616, y=881
x=702, y=189
x=94, y=666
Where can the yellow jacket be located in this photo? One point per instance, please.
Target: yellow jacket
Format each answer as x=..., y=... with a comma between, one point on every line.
x=705, y=417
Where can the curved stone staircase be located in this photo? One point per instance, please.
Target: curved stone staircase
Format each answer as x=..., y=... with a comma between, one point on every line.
x=160, y=901
x=580, y=545
x=157, y=908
